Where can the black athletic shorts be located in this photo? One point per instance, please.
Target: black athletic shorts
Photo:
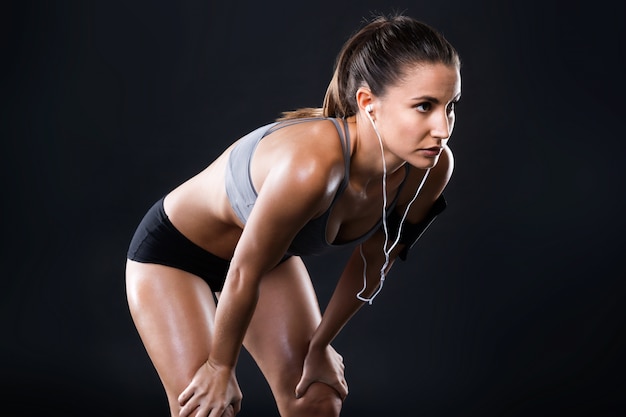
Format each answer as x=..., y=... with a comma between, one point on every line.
x=157, y=241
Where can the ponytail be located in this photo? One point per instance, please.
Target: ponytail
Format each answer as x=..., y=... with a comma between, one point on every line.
x=375, y=57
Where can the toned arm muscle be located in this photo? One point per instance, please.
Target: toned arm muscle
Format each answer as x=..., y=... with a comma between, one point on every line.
x=292, y=193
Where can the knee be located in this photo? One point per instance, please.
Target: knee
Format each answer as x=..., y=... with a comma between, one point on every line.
x=320, y=400
x=175, y=409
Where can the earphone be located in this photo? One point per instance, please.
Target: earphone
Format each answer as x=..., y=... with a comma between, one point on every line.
x=383, y=275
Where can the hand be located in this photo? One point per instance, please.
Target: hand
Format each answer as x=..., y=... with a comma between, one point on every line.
x=213, y=392
x=323, y=365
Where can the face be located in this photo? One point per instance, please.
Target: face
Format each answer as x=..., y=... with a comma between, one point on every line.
x=416, y=116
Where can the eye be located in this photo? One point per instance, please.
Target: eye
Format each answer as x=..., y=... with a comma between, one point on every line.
x=451, y=107
x=424, y=107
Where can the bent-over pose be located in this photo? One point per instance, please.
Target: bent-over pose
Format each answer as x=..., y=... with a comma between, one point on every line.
x=367, y=169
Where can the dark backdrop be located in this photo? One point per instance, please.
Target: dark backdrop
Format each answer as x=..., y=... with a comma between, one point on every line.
x=511, y=305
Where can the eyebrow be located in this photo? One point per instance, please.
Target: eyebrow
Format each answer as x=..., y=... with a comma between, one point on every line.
x=427, y=98
x=433, y=99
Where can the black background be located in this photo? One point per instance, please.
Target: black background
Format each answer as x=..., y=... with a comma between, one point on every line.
x=511, y=305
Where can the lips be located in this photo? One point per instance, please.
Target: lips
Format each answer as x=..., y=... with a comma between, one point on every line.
x=433, y=151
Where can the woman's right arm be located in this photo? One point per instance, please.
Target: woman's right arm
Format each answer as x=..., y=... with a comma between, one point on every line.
x=292, y=193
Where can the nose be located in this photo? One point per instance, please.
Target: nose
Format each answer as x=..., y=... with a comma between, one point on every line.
x=441, y=125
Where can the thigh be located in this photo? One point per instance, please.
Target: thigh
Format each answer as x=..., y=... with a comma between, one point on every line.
x=174, y=312
x=285, y=318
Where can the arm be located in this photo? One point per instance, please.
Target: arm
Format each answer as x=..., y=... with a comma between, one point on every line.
x=291, y=193
x=319, y=364
x=344, y=303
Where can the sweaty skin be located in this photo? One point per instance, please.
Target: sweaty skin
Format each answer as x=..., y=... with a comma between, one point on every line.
x=268, y=306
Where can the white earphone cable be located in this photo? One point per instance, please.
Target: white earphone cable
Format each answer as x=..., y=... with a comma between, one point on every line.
x=386, y=251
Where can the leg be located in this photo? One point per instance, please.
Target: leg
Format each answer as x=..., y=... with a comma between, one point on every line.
x=286, y=316
x=174, y=313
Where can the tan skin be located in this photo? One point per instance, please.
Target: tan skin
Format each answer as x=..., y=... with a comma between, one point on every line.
x=271, y=308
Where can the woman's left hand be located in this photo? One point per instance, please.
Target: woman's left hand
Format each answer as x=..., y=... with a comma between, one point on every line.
x=323, y=365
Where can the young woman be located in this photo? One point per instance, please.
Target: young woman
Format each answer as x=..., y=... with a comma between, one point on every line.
x=368, y=169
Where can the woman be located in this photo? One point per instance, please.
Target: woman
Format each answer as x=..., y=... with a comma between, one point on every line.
x=372, y=161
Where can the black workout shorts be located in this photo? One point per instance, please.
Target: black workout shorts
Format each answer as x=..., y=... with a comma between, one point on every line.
x=157, y=241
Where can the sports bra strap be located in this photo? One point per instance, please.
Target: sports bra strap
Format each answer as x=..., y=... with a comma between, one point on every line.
x=238, y=180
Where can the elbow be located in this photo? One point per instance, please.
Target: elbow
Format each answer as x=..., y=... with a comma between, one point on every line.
x=241, y=280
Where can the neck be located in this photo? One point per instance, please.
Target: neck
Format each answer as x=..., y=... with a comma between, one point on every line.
x=366, y=162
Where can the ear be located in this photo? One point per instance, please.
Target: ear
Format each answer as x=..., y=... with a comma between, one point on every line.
x=364, y=97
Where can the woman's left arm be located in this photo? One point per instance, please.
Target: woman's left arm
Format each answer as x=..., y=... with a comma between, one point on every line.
x=322, y=362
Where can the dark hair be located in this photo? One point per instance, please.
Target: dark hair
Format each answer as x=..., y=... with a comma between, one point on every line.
x=376, y=56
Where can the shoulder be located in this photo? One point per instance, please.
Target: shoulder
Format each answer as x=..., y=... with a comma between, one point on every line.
x=305, y=160
x=309, y=149
x=442, y=172
x=434, y=185
x=316, y=135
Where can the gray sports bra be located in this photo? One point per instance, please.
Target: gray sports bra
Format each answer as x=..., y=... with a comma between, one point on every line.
x=311, y=239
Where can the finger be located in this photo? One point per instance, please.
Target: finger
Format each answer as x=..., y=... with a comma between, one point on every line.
x=342, y=389
x=302, y=387
x=216, y=412
x=236, y=407
x=188, y=410
x=185, y=396
x=341, y=386
x=345, y=391
x=229, y=412
x=340, y=360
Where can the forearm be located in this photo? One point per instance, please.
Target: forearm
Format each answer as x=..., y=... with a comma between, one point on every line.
x=344, y=302
x=234, y=311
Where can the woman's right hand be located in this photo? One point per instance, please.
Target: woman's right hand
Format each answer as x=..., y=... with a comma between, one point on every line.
x=211, y=393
